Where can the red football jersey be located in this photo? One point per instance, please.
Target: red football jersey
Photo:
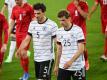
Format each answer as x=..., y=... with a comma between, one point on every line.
x=23, y=16
x=103, y=4
x=3, y=28
x=75, y=15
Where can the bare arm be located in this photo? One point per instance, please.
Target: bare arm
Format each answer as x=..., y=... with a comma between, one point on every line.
x=82, y=12
x=21, y=50
x=11, y=25
x=77, y=54
x=58, y=56
x=93, y=9
x=25, y=42
x=4, y=9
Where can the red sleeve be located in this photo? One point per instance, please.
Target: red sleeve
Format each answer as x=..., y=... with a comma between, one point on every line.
x=5, y=29
x=84, y=6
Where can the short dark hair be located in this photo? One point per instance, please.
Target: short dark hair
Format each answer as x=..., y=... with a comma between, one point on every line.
x=39, y=6
x=63, y=13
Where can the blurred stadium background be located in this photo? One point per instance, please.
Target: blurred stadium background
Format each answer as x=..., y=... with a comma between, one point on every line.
x=95, y=41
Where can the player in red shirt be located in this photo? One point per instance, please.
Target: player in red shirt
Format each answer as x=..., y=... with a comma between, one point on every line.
x=103, y=5
x=78, y=10
x=3, y=28
x=22, y=14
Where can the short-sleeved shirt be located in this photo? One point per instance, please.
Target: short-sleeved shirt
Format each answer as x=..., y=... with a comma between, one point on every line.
x=43, y=34
x=69, y=41
x=75, y=15
x=10, y=4
x=23, y=16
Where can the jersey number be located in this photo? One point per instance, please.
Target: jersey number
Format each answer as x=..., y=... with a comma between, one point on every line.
x=20, y=17
x=76, y=13
x=67, y=42
x=45, y=70
x=38, y=35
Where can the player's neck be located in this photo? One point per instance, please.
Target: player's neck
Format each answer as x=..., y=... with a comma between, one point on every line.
x=42, y=20
x=68, y=27
x=21, y=5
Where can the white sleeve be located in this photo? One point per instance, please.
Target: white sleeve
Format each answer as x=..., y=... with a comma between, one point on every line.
x=6, y=1
x=30, y=28
x=54, y=29
x=79, y=34
x=58, y=36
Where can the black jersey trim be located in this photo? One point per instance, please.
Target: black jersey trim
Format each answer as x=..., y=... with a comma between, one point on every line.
x=54, y=36
x=82, y=40
x=43, y=22
x=30, y=34
x=69, y=28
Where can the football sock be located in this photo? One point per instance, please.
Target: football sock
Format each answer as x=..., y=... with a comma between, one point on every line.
x=25, y=64
x=1, y=57
x=105, y=48
x=12, y=49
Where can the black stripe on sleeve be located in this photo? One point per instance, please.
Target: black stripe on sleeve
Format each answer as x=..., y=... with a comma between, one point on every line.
x=6, y=4
x=81, y=41
x=30, y=34
x=54, y=36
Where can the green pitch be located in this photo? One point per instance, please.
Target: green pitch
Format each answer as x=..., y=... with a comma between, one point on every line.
x=95, y=42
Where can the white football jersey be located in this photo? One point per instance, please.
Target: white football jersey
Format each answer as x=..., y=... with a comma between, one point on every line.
x=42, y=39
x=10, y=4
x=69, y=40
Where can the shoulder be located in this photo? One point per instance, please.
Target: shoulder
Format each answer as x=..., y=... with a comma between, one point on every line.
x=32, y=25
x=6, y=2
x=15, y=7
x=83, y=3
x=28, y=5
x=76, y=28
x=51, y=23
x=70, y=5
x=60, y=30
x=34, y=22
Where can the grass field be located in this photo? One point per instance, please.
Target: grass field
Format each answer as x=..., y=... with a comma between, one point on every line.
x=95, y=42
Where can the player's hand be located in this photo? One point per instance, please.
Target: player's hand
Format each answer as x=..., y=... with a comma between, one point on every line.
x=67, y=65
x=3, y=48
x=56, y=70
x=23, y=53
x=89, y=17
x=17, y=54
